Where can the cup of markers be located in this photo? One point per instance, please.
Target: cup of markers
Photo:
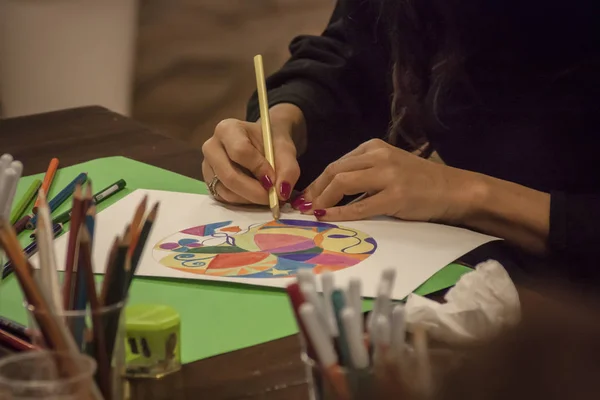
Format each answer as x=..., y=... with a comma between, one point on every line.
x=348, y=356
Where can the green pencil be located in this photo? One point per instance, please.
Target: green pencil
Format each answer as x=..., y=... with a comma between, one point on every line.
x=98, y=198
x=24, y=201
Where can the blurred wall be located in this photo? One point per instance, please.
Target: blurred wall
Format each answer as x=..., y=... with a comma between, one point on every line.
x=194, y=62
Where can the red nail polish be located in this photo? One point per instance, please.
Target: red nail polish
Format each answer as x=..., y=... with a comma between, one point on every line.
x=285, y=190
x=266, y=182
x=306, y=206
x=319, y=213
x=297, y=202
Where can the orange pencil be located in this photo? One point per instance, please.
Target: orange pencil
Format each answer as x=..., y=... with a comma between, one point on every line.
x=48, y=178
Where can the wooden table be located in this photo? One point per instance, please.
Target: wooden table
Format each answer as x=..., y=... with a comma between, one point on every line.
x=268, y=371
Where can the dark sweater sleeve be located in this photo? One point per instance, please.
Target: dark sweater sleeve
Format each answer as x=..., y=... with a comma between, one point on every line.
x=340, y=80
x=575, y=223
x=575, y=232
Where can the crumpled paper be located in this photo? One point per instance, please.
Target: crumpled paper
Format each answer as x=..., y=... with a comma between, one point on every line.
x=480, y=304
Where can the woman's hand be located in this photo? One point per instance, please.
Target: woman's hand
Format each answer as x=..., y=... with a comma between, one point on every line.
x=397, y=183
x=235, y=154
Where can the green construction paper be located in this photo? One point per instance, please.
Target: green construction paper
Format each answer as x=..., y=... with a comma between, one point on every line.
x=216, y=317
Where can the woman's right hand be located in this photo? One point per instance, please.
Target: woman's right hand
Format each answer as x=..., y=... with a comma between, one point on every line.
x=235, y=154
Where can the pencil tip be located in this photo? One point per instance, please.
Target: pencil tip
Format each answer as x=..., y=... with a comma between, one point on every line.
x=153, y=212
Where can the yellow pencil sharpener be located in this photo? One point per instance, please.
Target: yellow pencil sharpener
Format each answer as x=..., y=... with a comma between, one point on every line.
x=153, y=341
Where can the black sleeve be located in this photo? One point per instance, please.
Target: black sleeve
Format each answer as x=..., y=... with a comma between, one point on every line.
x=575, y=233
x=341, y=82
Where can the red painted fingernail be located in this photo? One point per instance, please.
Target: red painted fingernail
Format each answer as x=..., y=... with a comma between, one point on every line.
x=298, y=201
x=305, y=206
x=285, y=190
x=319, y=213
x=266, y=182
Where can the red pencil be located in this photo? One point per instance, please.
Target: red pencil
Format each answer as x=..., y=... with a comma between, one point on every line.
x=297, y=299
x=15, y=342
x=47, y=182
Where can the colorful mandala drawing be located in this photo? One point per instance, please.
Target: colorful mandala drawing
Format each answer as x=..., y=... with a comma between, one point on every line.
x=273, y=249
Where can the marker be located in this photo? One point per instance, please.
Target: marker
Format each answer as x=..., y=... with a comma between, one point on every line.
x=306, y=275
x=398, y=332
x=311, y=297
x=98, y=198
x=296, y=300
x=337, y=299
x=362, y=381
x=60, y=197
x=326, y=355
x=14, y=328
x=30, y=250
x=356, y=344
x=16, y=166
x=384, y=293
x=327, y=283
x=354, y=300
x=382, y=339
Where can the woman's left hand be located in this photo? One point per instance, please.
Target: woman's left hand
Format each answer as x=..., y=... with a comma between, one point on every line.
x=398, y=184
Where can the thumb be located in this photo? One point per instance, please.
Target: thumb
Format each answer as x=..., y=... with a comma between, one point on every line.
x=287, y=169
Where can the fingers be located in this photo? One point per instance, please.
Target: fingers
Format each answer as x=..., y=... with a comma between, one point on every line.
x=363, y=209
x=231, y=177
x=348, y=183
x=243, y=144
x=343, y=165
x=224, y=194
x=288, y=170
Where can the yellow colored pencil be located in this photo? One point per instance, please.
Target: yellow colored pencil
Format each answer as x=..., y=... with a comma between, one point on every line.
x=265, y=123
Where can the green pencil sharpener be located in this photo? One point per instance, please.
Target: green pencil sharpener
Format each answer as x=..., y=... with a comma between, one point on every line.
x=153, y=341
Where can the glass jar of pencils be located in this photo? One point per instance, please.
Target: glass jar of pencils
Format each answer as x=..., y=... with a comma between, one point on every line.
x=46, y=375
x=98, y=333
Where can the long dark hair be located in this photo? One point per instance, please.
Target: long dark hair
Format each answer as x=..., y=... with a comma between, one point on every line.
x=433, y=44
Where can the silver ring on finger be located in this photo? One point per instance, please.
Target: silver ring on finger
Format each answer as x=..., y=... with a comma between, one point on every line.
x=212, y=187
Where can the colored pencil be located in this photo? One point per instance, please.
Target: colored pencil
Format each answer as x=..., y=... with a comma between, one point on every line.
x=99, y=197
x=48, y=179
x=265, y=123
x=68, y=284
x=15, y=342
x=29, y=250
x=110, y=268
x=80, y=290
x=141, y=243
x=24, y=201
x=116, y=292
x=48, y=266
x=61, y=197
x=98, y=325
x=136, y=223
x=54, y=336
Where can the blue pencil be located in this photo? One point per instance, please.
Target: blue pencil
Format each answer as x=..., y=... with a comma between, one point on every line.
x=60, y=198
x=30, y=250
